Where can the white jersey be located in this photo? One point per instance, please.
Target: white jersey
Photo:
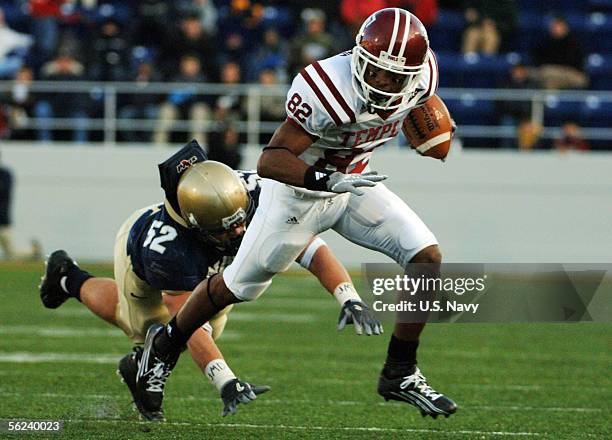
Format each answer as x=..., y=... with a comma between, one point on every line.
x=323, y=103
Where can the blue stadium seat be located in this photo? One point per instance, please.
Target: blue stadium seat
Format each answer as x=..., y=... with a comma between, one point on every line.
x=557, y=112
x=446, y=34
x=470, y=111
x=473, y=70
x=595, y=113
x=600, y=5
x=599, y=69
x=599, y=32
x=531, y=29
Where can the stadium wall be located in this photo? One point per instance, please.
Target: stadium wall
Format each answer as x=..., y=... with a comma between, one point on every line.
x=490, y=206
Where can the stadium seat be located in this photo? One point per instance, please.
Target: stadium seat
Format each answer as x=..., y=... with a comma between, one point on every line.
x=599, y=69
x=556, y=112
x=599, y=32
x=446, y=33
x=532, y=28
x=600, y=5
x=595, y=112
x=472, y=70
x=470, y=111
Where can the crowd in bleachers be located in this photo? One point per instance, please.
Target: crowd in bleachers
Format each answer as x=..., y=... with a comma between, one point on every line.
x=524, y=44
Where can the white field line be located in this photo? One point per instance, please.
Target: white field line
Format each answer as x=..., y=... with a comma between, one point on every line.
x=59, y=332
x=290, y=318
x=268, y=401
x=77, y=332
x=501, y=386
x=332, y=428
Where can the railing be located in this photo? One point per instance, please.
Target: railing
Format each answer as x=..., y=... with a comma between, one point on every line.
x=106, y=96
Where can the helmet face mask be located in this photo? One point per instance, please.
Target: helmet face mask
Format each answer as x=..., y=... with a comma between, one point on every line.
x=393, y=40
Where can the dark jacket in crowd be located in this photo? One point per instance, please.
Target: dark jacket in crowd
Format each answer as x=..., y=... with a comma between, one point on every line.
x=565, y=51
x=6, y=186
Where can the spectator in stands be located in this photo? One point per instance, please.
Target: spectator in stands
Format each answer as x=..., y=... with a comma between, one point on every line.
x=271, y=54
x=234, y=49
x=108, y=54
x=205, y=10
x=490, y=22
x=312, y=45
x=512, y=113
x=529, y=135
x=208, y=15
x=152, y=20
x=63, y=104
x=190, y=39
x=560, y=58
x=184, y=103
x=225, y=146
x=142, y=105
x=20, y=100
x=571, y=139
x=354, y=12
x=272, y=105
x=46, y=16
x=13, y=48
x=6, y=239
x=229, y=106
x=425, y=10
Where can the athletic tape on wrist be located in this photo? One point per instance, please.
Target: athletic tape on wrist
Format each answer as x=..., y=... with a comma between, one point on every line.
x=219, y=373
x=345, y=292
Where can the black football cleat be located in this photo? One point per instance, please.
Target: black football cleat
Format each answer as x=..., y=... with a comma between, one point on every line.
x=153, y=371
x=415, y=390
x=127, y=371
x=58, y=265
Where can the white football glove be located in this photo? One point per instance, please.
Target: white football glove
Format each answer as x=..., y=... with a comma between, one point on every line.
x=340, y=183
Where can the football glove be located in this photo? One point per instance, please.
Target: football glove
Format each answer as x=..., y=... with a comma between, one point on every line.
x=340, y=183
x=358, y=313
x=237, y=391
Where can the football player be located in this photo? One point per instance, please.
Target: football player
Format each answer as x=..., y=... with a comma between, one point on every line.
x=163, y=251
x=316, y=170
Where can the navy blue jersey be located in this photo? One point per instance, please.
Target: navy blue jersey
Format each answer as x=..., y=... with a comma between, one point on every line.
x=171, y=257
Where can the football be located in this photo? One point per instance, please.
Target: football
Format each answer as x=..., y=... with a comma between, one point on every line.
x=428, y=128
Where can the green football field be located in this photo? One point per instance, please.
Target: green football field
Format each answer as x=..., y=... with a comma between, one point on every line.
x=547, y=381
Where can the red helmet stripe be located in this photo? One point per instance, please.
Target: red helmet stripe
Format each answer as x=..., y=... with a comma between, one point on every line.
x=330, y=85
x=330, y=110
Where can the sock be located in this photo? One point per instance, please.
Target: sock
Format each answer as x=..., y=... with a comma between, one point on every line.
x=72, y=282
x=170, y=342
x=401, y=358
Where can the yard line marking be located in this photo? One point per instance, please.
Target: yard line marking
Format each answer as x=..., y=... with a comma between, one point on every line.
x=59, y=332
x=274, y=317
x=327, y=428
x=73, y=332
x=511, y=387
x=83, y=358
x=268, y=401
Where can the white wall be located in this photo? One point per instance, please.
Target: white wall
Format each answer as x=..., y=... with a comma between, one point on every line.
x=483, y=206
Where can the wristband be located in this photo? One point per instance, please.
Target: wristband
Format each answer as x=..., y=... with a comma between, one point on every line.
x=316, y=179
